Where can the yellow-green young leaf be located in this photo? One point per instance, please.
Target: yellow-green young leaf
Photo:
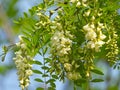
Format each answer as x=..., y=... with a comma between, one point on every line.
x=40, y=88
x=97, y=80
x=38, y=80
x=25, y=15
x=37, y=71
x=97, y=71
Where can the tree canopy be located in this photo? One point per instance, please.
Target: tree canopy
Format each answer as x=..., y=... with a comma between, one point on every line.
x=71, y=36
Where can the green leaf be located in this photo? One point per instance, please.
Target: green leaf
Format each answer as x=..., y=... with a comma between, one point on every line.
x=55, y=76
x=45, y=67
x=47, y=60
x=37, y=62
x=25, y=39
x=25, y=14
x=53, y=84
x=114, y=67
x=40, y=88
x=79, y=82
x=37, y=71
x=97, y=71
x=38, y=80
x=44, y=75
x=40, y=53
x=97, y=80
x=45, y=50
x=50, y=81
x=51, y=88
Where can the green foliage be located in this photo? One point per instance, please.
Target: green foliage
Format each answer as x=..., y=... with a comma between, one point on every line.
x=97, y=71
x=97, y=80
x=71, y=41
x=6, y=68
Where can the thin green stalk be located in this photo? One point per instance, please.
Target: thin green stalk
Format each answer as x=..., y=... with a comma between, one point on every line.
x=88, y=84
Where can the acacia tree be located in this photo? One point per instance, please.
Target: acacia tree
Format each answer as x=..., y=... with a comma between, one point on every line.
x=70, y=35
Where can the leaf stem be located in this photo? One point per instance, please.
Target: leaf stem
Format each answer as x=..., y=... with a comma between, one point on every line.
x=88, y=84
x=45, y=87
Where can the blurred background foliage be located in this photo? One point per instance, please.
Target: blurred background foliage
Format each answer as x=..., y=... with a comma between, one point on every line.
x=11, y=10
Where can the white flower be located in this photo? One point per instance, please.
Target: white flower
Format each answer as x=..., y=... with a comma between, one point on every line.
x=84, y=1
x=92, y=26
x=85, y=5
x=39, y=14
x=73, y=1
x=87, y=13
x=53, y=27
x=29, y=72
x=100, y=25
x=99, y=43
x=19, y=52
x=102, y=36
x=91, y=44
x=98, y=29
x=86, y=28
x=93, y=18
x=21, y=81
x=22, y=64
x=99, y=14
x=68, y=66
x=78, y=4
x=73, y=75
x=18, y=44
x=20, y=37
x=60, y=43
x=23, y=45
x=91, y=35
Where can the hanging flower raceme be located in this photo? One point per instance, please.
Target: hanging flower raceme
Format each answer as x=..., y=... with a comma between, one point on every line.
x=112, y=47
x=22, y=64
x=61, y=43
x=61, y=48
x=94, y=36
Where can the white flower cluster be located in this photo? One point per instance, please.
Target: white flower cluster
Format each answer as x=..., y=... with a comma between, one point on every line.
x=78, y=3
x=70, y=72
x=61, y=47
x=94, y=36
x=61, y=43
x=73, y=75
x=22, y=64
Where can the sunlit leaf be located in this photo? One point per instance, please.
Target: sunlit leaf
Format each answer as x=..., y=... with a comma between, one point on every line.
x=40, y=88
